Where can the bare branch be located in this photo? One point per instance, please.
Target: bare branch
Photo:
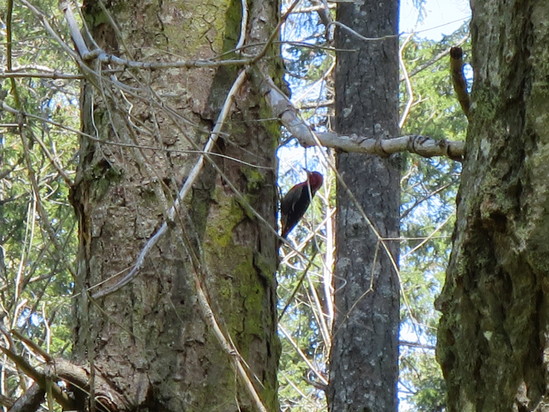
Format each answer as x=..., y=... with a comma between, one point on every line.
x=79, y=378
x=416, y=345
x=38, y=376
x=407, y=81
x=193, y=175
x=30, y=400
x=418, y=144
x=432, y=60
x=38, y=75
x=303, y=356
x=458, y=78
x=361, y=37
x=33, y=346
x=103, y=57
x=226, y=343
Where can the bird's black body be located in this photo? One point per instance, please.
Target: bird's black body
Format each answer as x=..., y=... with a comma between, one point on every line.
x=294, y=205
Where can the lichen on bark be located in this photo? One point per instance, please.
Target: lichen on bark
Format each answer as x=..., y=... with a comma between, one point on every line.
x=150, y=338
x=492, y=336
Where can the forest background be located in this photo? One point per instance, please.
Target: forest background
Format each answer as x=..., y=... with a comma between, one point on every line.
x=39, y=229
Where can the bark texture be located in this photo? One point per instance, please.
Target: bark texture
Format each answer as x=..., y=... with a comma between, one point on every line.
x=364, y=353
x=493, y=337
x=150, y=339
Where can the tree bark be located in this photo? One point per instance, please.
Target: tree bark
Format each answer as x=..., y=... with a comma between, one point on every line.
x=364, y=353
x=153, y=339
x=492, y=340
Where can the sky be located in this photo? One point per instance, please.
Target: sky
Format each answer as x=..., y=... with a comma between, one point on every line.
x=440, y=17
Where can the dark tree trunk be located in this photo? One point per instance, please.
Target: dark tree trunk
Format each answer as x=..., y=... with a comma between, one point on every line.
x=152, y=339
x=492, y=341
x=364, y=353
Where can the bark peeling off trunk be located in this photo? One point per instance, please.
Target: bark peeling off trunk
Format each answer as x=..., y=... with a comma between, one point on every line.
x=493, y=334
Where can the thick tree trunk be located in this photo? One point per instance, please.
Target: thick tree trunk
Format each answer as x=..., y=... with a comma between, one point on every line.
x=152, y=339
x=493, y=336
x=364, y=354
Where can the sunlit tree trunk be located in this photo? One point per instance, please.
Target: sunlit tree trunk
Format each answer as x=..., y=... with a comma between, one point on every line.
x=493, y=337
x=153, y=338
x=364, y=354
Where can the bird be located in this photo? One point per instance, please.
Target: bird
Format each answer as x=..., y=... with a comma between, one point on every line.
x=295, y=203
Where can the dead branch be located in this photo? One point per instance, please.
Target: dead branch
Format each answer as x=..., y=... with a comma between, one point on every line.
x=30, y=400
x=290, y=118
x=458, y=79
x=185, y=189
x=48, y=376
x=100, y=55
x=38, y=376
x=78, y=378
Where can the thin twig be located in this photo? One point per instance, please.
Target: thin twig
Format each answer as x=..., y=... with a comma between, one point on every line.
x=409, y=89
x=39, y=377
x=275, y=32
x=193, y=175
x=227, y=345
x=303, y=356
x=297, y=287
x=319, y=313
x=360, y=36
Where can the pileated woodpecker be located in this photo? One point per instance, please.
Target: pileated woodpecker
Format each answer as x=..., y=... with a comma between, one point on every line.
x=294, y=205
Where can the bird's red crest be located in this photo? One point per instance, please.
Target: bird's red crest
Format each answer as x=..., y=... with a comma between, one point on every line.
x=315, y=180
x=294, y=204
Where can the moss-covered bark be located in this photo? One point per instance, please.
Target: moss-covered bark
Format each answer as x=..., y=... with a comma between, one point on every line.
x=493, y=340
x=150, y=338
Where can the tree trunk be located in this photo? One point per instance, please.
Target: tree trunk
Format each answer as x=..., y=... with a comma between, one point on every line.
x=493, y=341
x=153, y=338
x=364, y=353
